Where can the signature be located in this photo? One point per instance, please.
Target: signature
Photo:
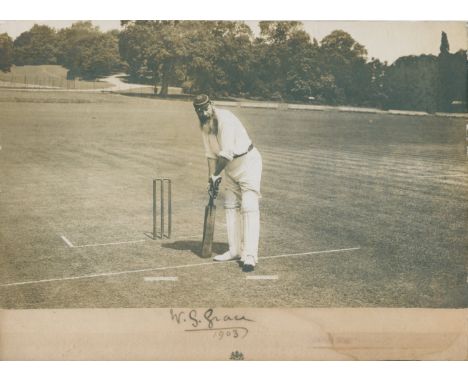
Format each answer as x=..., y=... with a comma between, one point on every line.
x=208, y=320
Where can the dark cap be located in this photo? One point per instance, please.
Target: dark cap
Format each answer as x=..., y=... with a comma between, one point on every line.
x=201, y=100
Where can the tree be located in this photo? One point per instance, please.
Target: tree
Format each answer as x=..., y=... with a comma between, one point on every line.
x=220, y=57
x=459, y=79
x=444, y=44
x=155, y=49
x=87, y=52
x=278, y=32
x=276, y=37
x=6, y=52
x=452, y=75
x=302, y=66
x=284, y=61
x=444, y=74
x=135, y=43
x=376, y=90
x=38, y=46
x=412, y=83
x=345, y=59
x=211, y=56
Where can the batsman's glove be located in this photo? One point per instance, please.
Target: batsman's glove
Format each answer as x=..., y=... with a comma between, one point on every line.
x=213, y=186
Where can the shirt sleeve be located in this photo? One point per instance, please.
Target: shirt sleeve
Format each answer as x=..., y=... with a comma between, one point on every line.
x=227, y=138
x=209, y=153
x=226, y=149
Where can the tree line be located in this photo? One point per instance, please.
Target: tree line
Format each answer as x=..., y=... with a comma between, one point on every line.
x=225, y=59
x=82, y=48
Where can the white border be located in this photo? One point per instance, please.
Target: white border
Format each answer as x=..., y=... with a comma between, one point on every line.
x=240, y=10
x=237, y=10
x=234, y=371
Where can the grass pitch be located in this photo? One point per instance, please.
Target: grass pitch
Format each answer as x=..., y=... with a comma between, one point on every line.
x=80, y=167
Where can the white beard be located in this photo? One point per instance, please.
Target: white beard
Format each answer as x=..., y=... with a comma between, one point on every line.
x=207, y=127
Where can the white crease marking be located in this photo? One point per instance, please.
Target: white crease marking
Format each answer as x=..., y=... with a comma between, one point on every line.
x=68, y=242
x=161, y=278
x=262, y=277
x=114, y=243
x=109, y=274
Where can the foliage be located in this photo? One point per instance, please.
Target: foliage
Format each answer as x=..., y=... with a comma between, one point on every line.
x=6, y=52
x=154, y=50
x=426, y=82
x=459, y=79
x=283, y=60
x=452, y=74
x=83, y=49
x=208, y=55
x=377, y=95
x=134, y=47
x=288, y=63
x=38, y=46
x=222, y=58
x=444, y=44
x=87, y=52
x=345, y=59
x=412, y=83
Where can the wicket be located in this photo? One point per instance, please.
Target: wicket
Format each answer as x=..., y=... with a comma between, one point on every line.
x=161, y=233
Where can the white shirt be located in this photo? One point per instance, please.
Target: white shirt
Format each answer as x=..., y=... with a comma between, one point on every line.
x=231, y=139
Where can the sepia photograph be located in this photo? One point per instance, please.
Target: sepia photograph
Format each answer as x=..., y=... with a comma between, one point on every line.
x=233, y=190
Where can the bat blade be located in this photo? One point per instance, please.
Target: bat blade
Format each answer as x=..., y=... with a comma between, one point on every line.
x=208, y=231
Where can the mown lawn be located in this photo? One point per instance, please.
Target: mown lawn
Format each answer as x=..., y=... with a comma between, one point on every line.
x=391, y=188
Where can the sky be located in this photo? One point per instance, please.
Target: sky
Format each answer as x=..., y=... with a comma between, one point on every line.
x=385, y=40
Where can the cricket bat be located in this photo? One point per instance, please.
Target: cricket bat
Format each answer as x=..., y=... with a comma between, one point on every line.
x=209, y=223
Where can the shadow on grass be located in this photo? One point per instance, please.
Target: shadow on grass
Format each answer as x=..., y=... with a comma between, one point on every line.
x=195, y=246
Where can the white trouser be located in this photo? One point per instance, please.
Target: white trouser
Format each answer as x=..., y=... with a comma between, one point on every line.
x=241, y=199
x=234, y=231
x=243, y=233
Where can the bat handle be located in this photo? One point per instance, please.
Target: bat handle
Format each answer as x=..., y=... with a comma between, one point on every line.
x=214, y=188
x=211, y=202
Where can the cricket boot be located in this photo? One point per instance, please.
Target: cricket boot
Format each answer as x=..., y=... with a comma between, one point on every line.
x=234, y=231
